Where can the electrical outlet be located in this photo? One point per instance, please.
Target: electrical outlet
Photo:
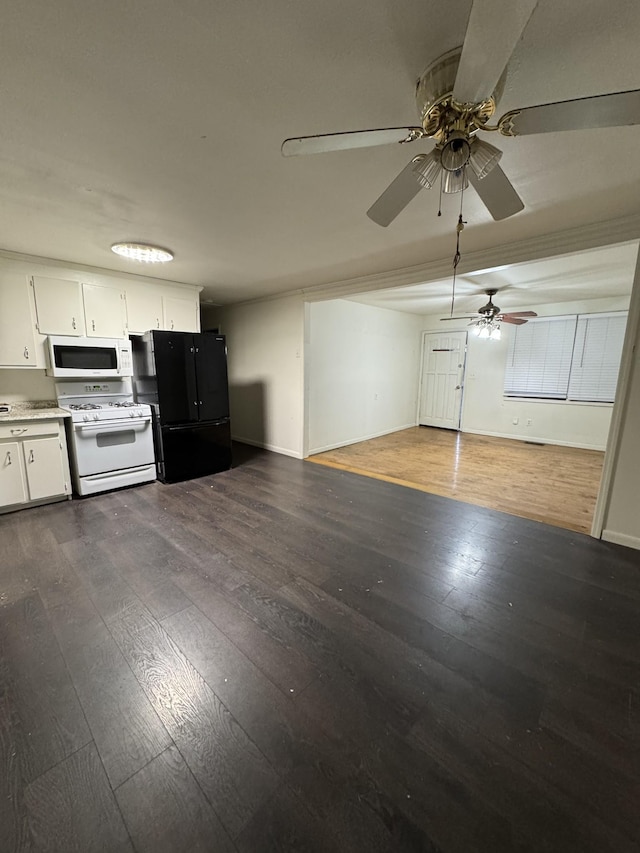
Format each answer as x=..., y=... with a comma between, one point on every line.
x=529, y=421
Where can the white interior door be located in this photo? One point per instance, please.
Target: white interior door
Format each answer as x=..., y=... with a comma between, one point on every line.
x=442, y=379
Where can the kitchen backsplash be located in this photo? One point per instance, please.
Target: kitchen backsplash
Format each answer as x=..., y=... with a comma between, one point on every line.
x=17, y=386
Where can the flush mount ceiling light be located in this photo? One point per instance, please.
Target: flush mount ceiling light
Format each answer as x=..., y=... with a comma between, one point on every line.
x=143, y=252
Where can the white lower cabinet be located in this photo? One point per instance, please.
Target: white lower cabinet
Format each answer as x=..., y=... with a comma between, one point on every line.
x=34, y=466
x=45, y=471
x=13, y=488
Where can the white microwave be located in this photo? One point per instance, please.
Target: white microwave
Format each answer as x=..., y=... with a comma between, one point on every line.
x=80, y=357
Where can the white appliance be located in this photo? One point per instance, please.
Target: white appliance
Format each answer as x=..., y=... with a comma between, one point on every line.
x=110, y=436
x=89, y=357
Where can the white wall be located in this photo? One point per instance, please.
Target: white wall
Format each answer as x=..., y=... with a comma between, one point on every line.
x=362, y=372
x=486, y=411
x=17, y=386
x=265, y=356
x=619, y=502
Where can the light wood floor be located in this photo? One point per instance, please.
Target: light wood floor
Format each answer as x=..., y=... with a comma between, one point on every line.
x=556, y=485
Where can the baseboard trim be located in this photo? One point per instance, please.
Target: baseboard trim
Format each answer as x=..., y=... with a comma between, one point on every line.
x=536, y=439
x=273, y=447
x=315, y=450
x=621, y=539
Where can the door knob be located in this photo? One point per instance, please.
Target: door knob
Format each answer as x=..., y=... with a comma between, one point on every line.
x=26, y=352
x=31, y=456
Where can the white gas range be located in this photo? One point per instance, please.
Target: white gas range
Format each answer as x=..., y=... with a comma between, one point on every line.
x=110, y=435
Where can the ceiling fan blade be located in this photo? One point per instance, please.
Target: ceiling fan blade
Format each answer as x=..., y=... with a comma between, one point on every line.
x=515, y=321
x=616, y=110
x=469, y=317
x=397, y=195
x=497, y=193
x=350, y=139
x=519, y=314
x=494, y=29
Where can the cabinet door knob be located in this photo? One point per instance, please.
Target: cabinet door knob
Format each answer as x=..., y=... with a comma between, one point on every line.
x=31, y=456
x=26, y=352
x=172, y=325
x=18, y=430
x=73, y=323
x=157, y=322
x=8, y=462
x=93, y=325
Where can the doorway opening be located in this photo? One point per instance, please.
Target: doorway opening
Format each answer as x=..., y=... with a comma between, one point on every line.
x=380, y=365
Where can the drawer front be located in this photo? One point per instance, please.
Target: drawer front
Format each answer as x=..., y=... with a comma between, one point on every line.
x=29, y=429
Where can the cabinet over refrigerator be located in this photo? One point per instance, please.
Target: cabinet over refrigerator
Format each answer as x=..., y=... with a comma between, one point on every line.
x=183, y=377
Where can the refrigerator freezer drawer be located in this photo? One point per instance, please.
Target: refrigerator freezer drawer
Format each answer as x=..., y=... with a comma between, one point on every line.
x=194, y=451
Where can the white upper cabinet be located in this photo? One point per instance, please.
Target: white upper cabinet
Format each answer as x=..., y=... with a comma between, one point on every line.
x=104, y=310
x=59, y=306
x=18, y=342
x=144, y=309
x=181, y=314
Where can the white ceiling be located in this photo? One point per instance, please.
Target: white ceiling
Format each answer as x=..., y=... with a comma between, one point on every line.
x=594, y=274
x=162, y=121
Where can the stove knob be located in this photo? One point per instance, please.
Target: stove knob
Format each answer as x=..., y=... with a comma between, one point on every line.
x=96, y=417
x=85, y=417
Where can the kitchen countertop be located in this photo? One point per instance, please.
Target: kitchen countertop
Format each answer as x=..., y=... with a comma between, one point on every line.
x=33, y=410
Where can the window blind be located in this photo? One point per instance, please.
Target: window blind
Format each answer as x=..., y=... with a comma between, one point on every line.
x=596, y=357
x=539, y=358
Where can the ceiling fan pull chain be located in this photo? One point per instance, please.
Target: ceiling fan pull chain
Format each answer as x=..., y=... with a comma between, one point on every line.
x=456, y=257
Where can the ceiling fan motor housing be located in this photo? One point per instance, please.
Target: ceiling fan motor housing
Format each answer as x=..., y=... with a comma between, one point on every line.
x=489, y=310
x=439, y=113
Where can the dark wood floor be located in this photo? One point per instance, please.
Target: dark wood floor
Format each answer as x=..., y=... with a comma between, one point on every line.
x=289, y=657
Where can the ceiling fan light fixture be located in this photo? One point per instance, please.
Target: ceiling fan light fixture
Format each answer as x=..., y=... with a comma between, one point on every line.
x=483, y=157
x=143, y=252
x=427, y=169
x=455, y=182
x=488, y=329
x=455, y=152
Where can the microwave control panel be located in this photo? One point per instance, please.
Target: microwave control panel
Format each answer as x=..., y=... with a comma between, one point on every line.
x=125, y=360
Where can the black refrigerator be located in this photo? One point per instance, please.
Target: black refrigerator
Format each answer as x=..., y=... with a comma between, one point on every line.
x=183, y=377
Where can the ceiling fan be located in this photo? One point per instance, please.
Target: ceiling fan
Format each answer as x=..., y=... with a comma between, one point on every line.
x=456, y=96
x=488, y=318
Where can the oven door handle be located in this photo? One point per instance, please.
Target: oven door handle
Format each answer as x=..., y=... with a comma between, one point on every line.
x=109, y=426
